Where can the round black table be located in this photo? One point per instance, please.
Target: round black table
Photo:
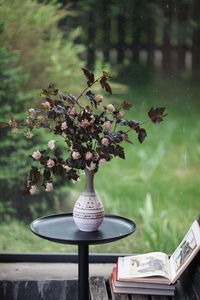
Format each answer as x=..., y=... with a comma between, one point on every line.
x=61, y=228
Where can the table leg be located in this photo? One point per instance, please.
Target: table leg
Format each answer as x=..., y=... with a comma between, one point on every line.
x=83, y=272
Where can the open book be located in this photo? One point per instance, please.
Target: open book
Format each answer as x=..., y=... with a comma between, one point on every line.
x=157, y=267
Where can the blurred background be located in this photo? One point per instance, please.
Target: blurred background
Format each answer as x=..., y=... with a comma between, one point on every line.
x=152, y=49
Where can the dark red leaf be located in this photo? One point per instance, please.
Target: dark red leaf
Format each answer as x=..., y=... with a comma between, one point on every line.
x=105, y=85
x=119, y=151
x=89, y=75
x=157, y=114
x=142, y=135
x=126, y=105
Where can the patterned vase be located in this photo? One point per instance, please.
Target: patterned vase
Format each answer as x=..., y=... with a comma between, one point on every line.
x=88, y=212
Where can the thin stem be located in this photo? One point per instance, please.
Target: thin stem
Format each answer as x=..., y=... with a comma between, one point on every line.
x=81, y=94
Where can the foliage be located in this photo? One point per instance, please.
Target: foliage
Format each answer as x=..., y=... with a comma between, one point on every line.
x=31, y=28
x=91, y=132
x=33, y=52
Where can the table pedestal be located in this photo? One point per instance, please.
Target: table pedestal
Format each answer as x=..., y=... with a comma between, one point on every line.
x=83, y=271
x=62, y=229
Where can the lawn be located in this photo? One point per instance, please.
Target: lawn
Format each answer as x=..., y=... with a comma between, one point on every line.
x=157, y=185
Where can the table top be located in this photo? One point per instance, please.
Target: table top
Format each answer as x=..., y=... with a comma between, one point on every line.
x=60, y=228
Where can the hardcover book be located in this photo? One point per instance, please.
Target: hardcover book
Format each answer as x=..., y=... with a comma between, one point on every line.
x=129, y=287
x=158, y=267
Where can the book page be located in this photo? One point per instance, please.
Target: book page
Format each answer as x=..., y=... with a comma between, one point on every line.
x=185, y=252
x=145, y=265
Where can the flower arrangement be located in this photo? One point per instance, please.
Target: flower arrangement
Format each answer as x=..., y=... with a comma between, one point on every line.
x=93, y=133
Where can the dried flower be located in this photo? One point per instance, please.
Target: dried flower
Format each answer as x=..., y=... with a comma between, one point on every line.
x=99, y=98
x=50, y=163
x=12, y=123
x=36, y=155
x=72, y=111
x=33, y=190
x=107, y=125
x=76, y=155
x=121, y=114
x=102, y=161
x=64, y=126
x=49, y=187
x=88, y=155
x=46, y=105
x=28, y=134
x=15, y=130
x=41, y=118
x=32, y=111
x=110, y=108
x=91, y=167
x=51, y=144
x=105, y=141
x=85, y=123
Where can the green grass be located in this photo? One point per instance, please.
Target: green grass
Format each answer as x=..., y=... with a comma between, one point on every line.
x=158, y=183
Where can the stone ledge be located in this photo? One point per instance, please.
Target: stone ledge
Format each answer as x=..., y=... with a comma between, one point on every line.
x=49, y=271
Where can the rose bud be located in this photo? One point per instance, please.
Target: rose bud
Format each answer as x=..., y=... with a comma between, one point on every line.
x=102, y=161
x=50, y=163
x=33, y=190
x=76, y=155
x=107, y=125
x=64, y=126
x=49, y=187
x=36, y=155
x=88, y=155
x=51, y=144
x=85, y=123
x=121, y=114
x=91, y=167
x=99, y=98
x=32, y=111
x=110, y=108
x=46, y=105
x=105, y=141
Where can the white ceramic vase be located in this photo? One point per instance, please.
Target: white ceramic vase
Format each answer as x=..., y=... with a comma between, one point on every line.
x=88, y=212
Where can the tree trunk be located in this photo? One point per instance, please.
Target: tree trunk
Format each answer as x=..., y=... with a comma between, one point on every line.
x=106, y=30
x=91, y=41
x=121, y=41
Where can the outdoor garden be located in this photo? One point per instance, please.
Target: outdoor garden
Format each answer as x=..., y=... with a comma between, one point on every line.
x=151, y=51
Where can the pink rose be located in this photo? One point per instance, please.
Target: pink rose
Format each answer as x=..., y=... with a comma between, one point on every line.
x=85, y=123
x=51, y=144
x=50, y=163
x=91, y=167
x=33, y=190
x=110, y=108
x=76, y=155
x=99, y=98
x=105, y=141
x=36, y=155
x=107, y=125
x=46, y=105
x=49, y=187
x=121, y=114
x=88, y=155
x=102, y=161
x=63, y=126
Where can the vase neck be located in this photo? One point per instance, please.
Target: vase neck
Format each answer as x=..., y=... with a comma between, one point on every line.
x=89, y=182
